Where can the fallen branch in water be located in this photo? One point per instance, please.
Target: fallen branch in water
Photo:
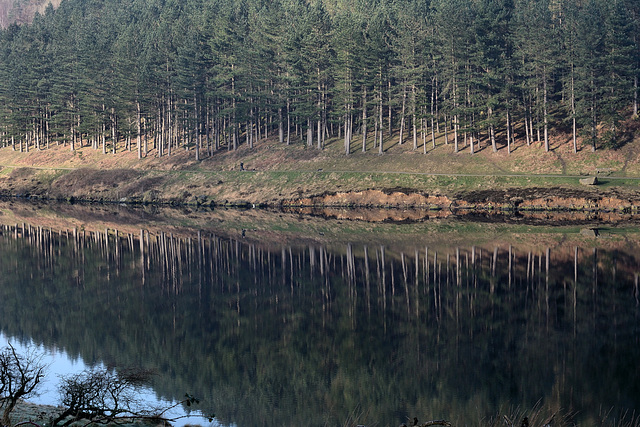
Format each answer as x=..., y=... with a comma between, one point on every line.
x=436, y=423
x=430, y=423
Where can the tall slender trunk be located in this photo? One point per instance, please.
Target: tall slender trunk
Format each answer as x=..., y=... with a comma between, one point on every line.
x=139, y=129
x=531, y=122
x=389, y=110
x=36, y=133
x=170, y=125
x=635, y=96
x=526, y=119
x=375, y=130
x=508, y=132
x=103, y=134
x=144, y=132
x=594, y=121
x=73, y=132
x=114, y=130
x=423, y=124
x=347, y=137
x=197, y=126
x=544, y=104
x=437, y=105
x=446, y=129
x=288, y=122
x=234, y=125
x=364, y=119
x=381, y=115
x=319, y=112
x=573, y=112
x=433, y=134
x=538, y=113
x=455, y=117
x=471, y=143
x=158, y=131
x=402, y=114
x=379, y=125
x=414, y=126
x=492, y=133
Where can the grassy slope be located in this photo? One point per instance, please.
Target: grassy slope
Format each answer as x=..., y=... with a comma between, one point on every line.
x=281, y=173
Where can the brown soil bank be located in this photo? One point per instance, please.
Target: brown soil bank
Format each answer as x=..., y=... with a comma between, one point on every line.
x=527, y=199
x=229, y=188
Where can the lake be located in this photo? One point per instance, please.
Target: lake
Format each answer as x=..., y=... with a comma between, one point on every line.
x=275, y=318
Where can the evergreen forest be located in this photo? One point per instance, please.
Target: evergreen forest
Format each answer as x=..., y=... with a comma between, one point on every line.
x=204, y=75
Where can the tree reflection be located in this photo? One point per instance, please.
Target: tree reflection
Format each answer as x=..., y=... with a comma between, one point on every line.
x=303, y=334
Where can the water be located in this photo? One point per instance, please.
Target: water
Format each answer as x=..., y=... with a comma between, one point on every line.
x=276, y=319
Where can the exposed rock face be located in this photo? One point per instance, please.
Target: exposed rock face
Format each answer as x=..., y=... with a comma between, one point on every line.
x=23, y=11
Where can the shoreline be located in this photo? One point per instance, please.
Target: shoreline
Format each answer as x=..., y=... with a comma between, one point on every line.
x=300, y=178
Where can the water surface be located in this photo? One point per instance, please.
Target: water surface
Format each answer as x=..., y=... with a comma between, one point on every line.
x=275, y=319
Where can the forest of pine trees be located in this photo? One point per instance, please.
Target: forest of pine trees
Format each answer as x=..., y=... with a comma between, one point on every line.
x=161, y=75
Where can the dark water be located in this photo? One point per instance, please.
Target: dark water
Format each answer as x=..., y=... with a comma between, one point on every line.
x=277, y=333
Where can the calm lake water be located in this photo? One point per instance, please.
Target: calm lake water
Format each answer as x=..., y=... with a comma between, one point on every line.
x=273, y=319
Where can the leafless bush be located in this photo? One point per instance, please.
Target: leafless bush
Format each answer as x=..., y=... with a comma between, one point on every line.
x=102, y=395
x=20, y=376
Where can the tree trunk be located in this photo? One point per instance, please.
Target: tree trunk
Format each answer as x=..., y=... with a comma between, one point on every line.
x=288, y=123
x=573, y=113
x=104, y=138
x=433, y=134
x=234, y=125
x=319, y=113
x=492, y=132
x=380, y=146
x=544, y=104
x=402, y=116
x=423, y=124
x=197, y=125
x=8, y=405
x=139, y=129
x=472, y=144
x=414, y=126
x=594, y=121
x=508, y=132
x=347, y=135
x=446, y=129
x=635, y=96
x=114, y=130
x=364, y=119
x=455, y=117
x=380, y=118
x=389, y=110
x=280, y=125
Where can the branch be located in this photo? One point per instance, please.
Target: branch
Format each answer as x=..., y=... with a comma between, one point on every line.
x=27, y=422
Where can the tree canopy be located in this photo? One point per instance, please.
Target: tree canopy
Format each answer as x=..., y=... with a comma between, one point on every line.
x=203, y=75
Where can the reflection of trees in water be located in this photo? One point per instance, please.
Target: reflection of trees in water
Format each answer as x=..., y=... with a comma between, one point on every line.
x=306, y=334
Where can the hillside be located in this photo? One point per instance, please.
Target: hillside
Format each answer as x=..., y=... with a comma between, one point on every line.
x=528, y=178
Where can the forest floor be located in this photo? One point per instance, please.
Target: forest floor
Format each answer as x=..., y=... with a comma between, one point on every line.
x=527, y=178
